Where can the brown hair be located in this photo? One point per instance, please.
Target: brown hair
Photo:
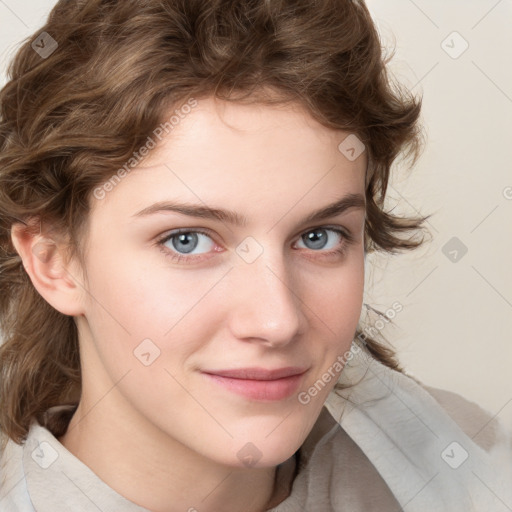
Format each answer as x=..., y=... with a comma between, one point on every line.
x=70, y=119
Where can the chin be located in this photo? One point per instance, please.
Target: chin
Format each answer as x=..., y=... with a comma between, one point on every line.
x=260, y=452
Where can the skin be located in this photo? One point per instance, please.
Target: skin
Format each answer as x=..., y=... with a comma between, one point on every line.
x=162, y=435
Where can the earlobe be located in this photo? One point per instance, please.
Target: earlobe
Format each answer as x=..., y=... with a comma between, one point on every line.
x=43, y=260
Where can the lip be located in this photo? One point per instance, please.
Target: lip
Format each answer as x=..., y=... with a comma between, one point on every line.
x=259, y=383
x=255, y=373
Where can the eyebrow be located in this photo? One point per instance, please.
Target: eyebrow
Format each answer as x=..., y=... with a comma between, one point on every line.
x=347, y=202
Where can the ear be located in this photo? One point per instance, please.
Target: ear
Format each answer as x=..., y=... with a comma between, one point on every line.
x=43, y=259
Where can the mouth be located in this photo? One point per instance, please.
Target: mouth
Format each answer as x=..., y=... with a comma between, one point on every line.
x=259, y=383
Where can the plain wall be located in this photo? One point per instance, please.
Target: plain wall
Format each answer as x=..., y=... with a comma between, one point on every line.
x=454, y=329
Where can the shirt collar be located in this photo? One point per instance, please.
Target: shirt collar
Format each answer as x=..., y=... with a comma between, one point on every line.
x=57, y=479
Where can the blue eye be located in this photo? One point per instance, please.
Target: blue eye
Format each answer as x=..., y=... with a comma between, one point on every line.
x=318, y=238
x=180, y=245
x=185, y=242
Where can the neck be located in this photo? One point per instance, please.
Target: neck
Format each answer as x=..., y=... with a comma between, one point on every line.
x=161, y=474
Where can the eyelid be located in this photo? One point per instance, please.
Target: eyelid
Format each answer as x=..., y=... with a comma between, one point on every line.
x=333, y=227
x=175, y=232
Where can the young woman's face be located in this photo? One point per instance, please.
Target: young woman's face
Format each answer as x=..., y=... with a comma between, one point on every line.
x=166, y=310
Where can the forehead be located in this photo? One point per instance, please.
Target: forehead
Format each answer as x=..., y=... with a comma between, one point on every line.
x=242, y=154
x=229, y=126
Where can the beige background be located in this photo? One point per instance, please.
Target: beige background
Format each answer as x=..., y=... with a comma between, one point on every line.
x=454, y=329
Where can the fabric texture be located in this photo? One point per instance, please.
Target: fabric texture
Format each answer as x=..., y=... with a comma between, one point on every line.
x=385, y=443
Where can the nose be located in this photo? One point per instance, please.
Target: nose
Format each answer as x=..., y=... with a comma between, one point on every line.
x=266, y=305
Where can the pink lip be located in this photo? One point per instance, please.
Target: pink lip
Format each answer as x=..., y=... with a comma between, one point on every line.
x=259, y=383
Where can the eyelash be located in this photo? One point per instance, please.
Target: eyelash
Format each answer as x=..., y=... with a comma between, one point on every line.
x=347, y=237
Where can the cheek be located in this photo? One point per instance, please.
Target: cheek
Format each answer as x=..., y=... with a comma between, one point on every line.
x=338, y=296
x=337, y=307
x=134, y=294
x=132, y=302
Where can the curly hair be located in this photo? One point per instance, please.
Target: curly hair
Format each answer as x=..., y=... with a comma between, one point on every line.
x=69, y=119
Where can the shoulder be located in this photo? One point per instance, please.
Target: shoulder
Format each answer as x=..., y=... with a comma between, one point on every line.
x=409, y=432
x=483, y=427
x=14, y=496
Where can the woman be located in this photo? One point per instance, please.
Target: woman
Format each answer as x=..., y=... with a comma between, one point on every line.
x=189, y=192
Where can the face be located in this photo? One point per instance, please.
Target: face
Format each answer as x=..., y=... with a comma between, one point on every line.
x=175, y=298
